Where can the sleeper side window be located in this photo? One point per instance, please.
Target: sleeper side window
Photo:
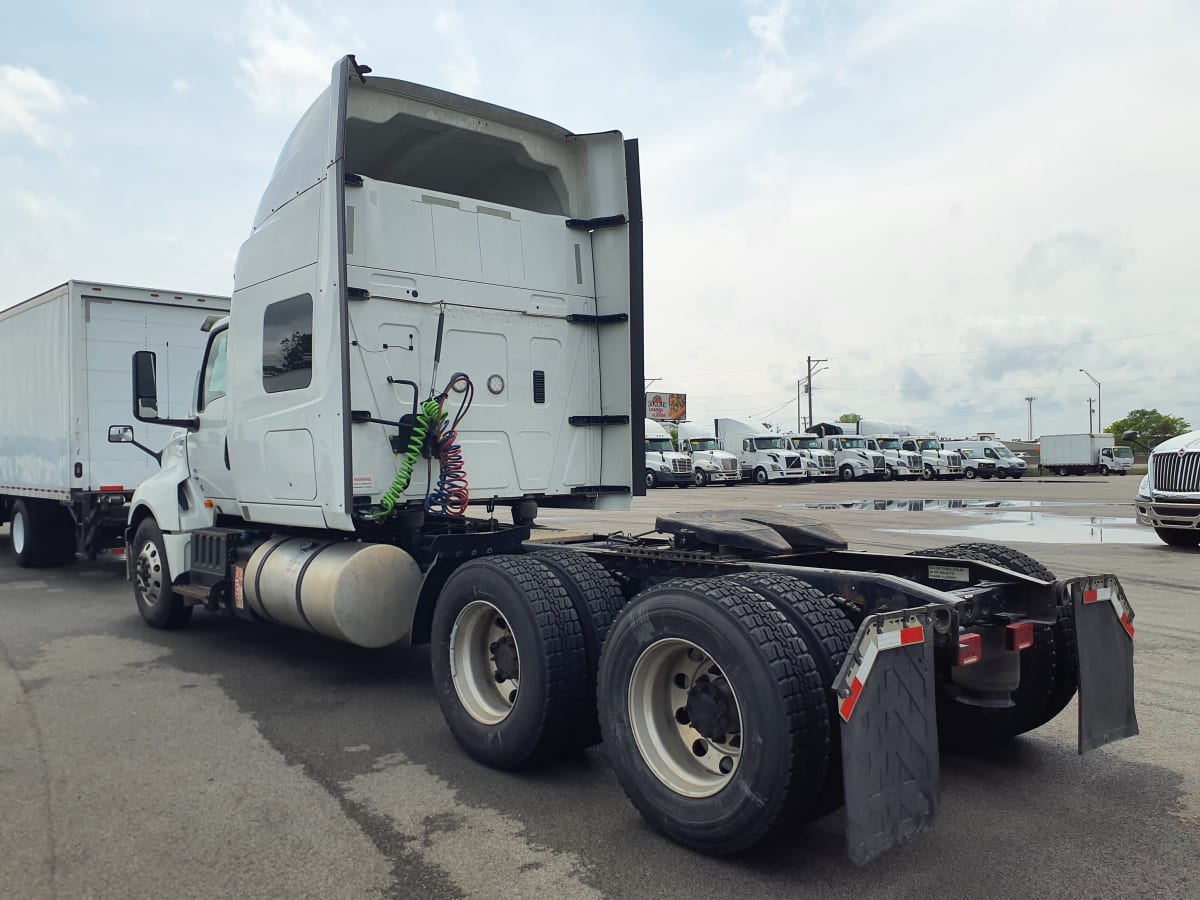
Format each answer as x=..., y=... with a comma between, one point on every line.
x=287, y=344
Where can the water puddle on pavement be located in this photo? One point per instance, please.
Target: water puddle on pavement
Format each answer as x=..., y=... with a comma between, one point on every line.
x=1043, y=528
x=932, y=505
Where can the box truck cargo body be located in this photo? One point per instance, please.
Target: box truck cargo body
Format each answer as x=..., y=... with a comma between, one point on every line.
x=64, y=378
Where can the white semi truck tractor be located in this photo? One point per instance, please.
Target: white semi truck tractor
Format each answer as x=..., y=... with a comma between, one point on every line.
x=664, y=464
x=1168, y=497
x=710, y=464
x=438, y=312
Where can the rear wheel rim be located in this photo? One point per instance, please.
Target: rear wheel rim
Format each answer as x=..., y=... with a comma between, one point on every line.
x=18, y=533
x=485, y=664
x=148, y=574
x=673, y=681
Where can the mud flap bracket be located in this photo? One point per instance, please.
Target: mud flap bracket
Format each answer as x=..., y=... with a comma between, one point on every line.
x=888, y=724
x=1104, y=642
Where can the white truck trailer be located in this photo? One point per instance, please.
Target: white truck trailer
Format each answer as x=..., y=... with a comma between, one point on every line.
x=664, y=464
x=64, y=376
x=763, y=457
x=1168, y=498
x=474, y=340
x=1083, y=454
x=710, y=464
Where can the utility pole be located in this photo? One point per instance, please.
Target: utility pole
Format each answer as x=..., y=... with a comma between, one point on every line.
x=808, y=387
x=1091, y=409
x=1030, y=400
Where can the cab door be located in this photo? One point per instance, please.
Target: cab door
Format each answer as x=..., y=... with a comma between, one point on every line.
x=208, y=445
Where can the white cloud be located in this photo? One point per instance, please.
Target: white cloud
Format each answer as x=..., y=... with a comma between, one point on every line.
x=779, y=79
x=43, y=208
x=287, y=62
x=462, y=68
x=181, y=86
x=769, y=27
x=30, y=102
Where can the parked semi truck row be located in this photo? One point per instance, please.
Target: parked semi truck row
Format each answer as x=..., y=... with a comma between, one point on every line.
x=64, y=376
x=370, y=401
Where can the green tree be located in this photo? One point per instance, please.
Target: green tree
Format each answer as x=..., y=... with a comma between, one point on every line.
x=1152, y=426
x=850, y=417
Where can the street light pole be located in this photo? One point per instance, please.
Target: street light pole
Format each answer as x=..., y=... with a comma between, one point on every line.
x=1099, y=402
x=1030, y=400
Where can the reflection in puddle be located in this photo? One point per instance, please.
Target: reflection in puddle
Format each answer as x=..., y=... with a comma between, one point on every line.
x=1043, y=528
x=931, y=505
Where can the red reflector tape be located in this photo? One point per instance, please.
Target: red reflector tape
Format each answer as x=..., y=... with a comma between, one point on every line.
x=1019, y=636
x=848, y=704
x=970, y=649
x=1128, y=625
x=1095, y=595
x=112, y=487
x=914, y=635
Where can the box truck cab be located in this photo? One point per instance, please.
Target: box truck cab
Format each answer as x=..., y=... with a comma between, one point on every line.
x=763, y=457
x=938, y=462
x=987, y=458
x=899, y=463
x=854, y=458
x=710, y=464
x=664, y=464
x=821, y=461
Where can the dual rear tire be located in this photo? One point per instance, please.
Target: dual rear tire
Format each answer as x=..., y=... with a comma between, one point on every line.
x=713, y=696
x=42, y=534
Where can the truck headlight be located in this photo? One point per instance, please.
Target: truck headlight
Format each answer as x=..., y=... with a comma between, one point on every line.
x=1143, y=491
x=663, y=467
x=775, y=468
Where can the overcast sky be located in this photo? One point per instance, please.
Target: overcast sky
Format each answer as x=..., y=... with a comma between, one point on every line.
x=959, y=204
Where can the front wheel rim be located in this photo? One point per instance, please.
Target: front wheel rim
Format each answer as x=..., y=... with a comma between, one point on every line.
x=148, y=574
x=18, y=533
x=685, y=718
x=485, y=664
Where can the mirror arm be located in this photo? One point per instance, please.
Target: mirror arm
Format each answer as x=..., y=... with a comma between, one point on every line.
x=157, y=454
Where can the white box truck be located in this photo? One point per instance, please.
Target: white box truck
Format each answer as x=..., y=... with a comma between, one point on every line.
x=474, y=341
x=710, y=464
x=763, y=457
x=664, y=464
x=64, y=376
x=1083, y=454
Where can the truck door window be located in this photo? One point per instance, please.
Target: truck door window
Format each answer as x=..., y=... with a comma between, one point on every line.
x=287, y=344
x=746, y=444
x=212, y=387
x=990, y=453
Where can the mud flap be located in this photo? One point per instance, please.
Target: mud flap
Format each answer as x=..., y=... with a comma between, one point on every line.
x=889, y=732
x=1104, y=641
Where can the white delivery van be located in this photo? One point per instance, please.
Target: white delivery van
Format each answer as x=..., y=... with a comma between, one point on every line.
x=977, y=453
x=710, y=464
x=665, y=465
x=763, y=457
x=64, y=376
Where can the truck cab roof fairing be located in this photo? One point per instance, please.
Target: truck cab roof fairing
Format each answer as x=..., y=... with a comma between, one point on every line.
x=302, y=162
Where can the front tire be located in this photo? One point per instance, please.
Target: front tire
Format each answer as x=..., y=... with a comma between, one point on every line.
x=701, y=478
x=1105, y=470
x=889, y=474
x=651, y=479
x=714, y=717
x=846, y=473
x=1178, y=537
x=761, y=476
x=159, y=605
x=970, y=474
x=927, y=474
x=509, y=660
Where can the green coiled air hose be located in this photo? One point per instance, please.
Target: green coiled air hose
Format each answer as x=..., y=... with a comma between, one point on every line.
x=427, y=417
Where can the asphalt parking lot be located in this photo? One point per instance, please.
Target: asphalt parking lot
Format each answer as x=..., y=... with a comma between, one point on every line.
x=229, y=760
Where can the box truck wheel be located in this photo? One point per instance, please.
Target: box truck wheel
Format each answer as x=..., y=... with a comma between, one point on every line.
x=1104, y=470
x=597, y=599
x=1049, y=674
x=509, y=660
x=159, y=605
x=828, y=633
x=27, y=533
x=714, y=717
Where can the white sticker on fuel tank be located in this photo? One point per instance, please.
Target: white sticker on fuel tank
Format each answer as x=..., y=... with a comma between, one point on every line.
x=364, y=484
x=949, y=573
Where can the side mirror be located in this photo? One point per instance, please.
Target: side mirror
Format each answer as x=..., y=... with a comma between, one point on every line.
x=145, y=386
x=1129, y=436
x=120, y=434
